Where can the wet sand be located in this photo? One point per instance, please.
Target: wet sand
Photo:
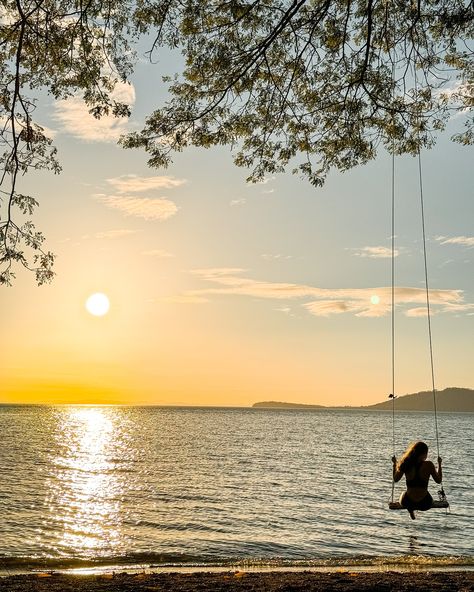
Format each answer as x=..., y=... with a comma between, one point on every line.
x=243, y=581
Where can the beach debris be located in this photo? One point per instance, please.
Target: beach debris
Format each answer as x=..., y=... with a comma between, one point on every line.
x=240, y=574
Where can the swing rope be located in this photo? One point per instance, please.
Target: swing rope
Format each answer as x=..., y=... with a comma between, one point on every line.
x=427, y=290
x=441, y=492
x=428, y=310
x=393, y=270
x=393, y=296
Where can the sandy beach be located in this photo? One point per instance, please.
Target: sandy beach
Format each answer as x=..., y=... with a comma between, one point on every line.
x=243, y=581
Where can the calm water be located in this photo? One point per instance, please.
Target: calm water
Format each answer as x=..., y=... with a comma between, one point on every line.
x=197, y=486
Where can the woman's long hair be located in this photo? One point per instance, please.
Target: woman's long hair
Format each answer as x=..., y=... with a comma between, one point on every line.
x=411, y=456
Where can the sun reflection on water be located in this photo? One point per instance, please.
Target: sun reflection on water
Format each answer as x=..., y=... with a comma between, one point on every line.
x=86, y=488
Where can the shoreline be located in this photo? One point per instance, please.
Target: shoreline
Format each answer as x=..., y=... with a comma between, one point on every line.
x=370, y=564
x=401, y=563
x=242, y=581
x=221, y=569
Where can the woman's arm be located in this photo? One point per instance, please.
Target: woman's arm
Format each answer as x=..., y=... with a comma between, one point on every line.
x=437, y=474
x=397, y=474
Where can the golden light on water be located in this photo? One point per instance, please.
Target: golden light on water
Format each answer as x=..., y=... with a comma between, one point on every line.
x=86, y=484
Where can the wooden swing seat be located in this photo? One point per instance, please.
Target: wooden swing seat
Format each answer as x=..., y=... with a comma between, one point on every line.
x=436, y=504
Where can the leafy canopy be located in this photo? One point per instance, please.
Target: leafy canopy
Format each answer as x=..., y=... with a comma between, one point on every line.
x=314, y=84
x=63, y=47
x=323, y=81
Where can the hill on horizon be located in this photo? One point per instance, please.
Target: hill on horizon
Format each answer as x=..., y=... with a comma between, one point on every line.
x=282, y=405
x=451, y=399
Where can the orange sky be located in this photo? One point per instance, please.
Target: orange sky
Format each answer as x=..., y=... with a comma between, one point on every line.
x=224, y=293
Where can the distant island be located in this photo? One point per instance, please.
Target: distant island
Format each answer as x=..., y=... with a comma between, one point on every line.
x=452, y=399
x=279, y=405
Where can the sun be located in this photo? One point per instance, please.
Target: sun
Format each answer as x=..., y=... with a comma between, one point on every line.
x=375, y=299
x=98, y=304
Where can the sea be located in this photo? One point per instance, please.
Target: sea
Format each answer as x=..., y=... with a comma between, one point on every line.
x=103, y=487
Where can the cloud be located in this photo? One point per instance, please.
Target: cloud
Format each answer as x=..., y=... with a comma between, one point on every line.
x=269, y=257
x=375, y=252
x=47, y=131
x=158, y=253
x=263, y=181
x=361, y=302
x=324, y=308
x=149, y=208
x=360, y=305
x=285, y=309
x=465, y=241
x=420, y=311
x=185, y=299
x=238, y=202
x=112, y=234
x=463, y=307
x=6, y=124
x=74, y=117
x=459, y=93
x=136, y=184
x=212, y=273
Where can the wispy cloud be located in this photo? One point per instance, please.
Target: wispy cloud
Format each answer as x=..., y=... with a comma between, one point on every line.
x=186, y=299
x=269, y=257
x=238, y=202
x=419, y=311
x=137, y=184
x=462, y=307
x=149, y=208
x=6, y=125
x=158, y=253
x=126, y=201
x=74, y=118
x=112, y=234
x=284, y=309
x=47, y=131
x=375, y=252
x=459, y=93
x=323, y=302
x=263, y=181
x=465, y=241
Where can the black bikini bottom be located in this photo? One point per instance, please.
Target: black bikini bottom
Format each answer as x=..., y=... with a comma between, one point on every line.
x=424, y=504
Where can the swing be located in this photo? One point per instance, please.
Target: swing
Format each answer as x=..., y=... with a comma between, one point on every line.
x=442, y=502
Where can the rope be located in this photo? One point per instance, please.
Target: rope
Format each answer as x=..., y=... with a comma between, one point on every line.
x=393, y=265
x=393, y=295
x=393, y=443
x=427, y=290
x=428, y=303
x=393, y=288
x=441, y=492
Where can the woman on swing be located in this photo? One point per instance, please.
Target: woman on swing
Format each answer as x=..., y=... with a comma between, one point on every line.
x=417, y=471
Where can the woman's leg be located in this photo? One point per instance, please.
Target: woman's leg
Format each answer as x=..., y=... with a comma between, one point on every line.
x=408, y=504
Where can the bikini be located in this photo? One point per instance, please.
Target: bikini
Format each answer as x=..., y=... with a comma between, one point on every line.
x=421, y=482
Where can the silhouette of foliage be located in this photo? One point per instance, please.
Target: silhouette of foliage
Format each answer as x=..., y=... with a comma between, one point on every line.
x=310, y=84
x=65, y=48
x=319, y=84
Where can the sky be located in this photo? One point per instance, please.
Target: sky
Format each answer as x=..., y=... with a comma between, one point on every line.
x=225, y=293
